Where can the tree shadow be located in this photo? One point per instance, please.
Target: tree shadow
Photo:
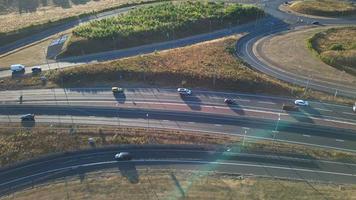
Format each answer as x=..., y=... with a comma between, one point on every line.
x=18, y=75
x=128, y=170
x=120, y=97
x=192, y=101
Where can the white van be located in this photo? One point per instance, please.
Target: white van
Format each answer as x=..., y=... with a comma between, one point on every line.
x=17, y=68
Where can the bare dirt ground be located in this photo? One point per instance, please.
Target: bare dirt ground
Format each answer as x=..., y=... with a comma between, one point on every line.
x=15, y=20
x=289, y=52
x=133, y=183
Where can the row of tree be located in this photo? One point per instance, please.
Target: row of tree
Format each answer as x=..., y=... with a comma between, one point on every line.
x=33, y=5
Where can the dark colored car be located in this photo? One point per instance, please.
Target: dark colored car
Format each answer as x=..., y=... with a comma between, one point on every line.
x=290, y=107
x=36, y=70
x=229, y=101
x=316, y=23
x=123, y=156
x=28, y=117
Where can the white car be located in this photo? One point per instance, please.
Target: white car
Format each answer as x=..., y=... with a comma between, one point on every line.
x=184, y=91
x=354, y=108
x=17, y=68
x=301, y=102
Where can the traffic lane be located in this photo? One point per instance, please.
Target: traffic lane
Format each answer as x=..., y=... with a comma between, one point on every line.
x=126, y=98
x=168, y=95
x=189, y=106
x=43, y=169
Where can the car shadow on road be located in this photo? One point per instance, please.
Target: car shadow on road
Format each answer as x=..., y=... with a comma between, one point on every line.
x=28, y=124
x=236, y=108
x=192, y=101
x=120, y=97
x=129, y=171
x=311, y=111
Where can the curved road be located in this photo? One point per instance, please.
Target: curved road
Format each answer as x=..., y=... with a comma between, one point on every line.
x=196, y=157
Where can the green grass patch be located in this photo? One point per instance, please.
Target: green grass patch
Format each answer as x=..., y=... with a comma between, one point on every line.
x=156, y=23
x=336, y=47
x=331, y=8
x=12, y=36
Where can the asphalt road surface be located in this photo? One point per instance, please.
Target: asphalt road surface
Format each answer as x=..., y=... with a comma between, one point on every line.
x=195, y=157
x=256, y=116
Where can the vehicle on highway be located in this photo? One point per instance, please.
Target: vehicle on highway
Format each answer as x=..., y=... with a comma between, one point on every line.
x=300, y=102
x=290, y=107
x=316, y=23
x=17, y=68
x=184, y=91
x=229, y=101
x=28, y=117
x=354, y=108
x=117, y=90
x=123, y=156
x=36, y=69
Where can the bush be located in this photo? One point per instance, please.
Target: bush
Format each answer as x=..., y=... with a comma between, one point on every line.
x=337, y=47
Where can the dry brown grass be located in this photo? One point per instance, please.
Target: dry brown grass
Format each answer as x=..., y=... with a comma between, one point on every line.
x=13, y=21
x=192, y=66
x=290, y=52
x=160, y=184
x=337, y=47
x=335, y=8
x=20, y=144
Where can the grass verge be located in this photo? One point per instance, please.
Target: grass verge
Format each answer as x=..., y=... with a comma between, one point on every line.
x=183, y=184
x=157, y=23
x=17, y=144
x=328, y=8
x=336, y=47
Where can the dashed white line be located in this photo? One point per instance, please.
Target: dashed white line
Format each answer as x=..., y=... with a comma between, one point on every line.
x=246, y=100
x=247, y=128
x=306, y=135
x=217, y=124
x=347, y=113
x=339, y=140
x=322, y=109
x=191, y=122
x=267, y=102
x=165, y=120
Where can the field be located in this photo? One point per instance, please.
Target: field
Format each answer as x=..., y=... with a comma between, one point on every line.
x=182, y=184
x=17, y=144
x=336, y=47
x=328, y=8
x=156, y=23
x=290, y=52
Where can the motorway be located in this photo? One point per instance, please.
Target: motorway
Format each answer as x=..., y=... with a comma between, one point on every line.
x=254, y=116
x=202, y=158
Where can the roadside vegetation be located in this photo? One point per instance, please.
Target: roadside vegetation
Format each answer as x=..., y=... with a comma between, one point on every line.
x=195, y=66
x=156, y=23
x=327, y=8
x=21, y=19
x=182, y=184
x=336, y=47
x=20, y=143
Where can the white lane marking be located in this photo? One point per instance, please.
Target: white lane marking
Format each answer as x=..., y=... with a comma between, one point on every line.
x=306, y=135
x=247, y=128
x=321, y=109
x=165, y=120
x=347, y=113
x=182, y=161
x=245, y=100
x=217, y=125
x=191, y=122
x=267, y=102
x=340, y=140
